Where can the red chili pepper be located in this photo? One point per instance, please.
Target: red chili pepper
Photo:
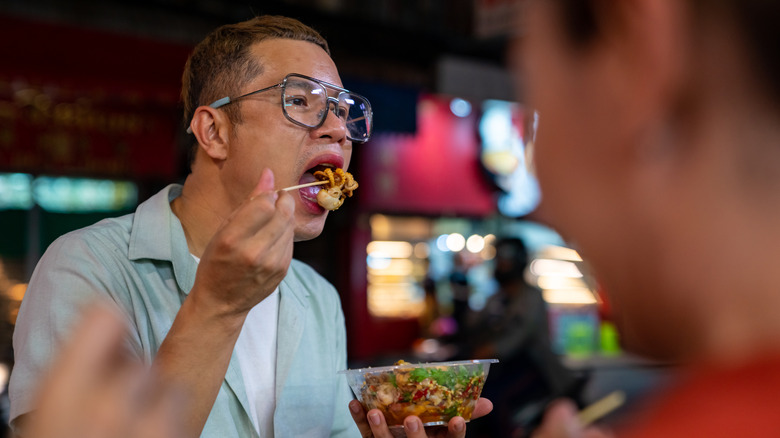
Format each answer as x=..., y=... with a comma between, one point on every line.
x=420, y=394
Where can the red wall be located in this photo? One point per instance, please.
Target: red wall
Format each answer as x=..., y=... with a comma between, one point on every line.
x=88, y=102
x=434, y=172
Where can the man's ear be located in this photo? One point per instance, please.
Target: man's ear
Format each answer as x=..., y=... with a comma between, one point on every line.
x=652, y=46
x=211, y=128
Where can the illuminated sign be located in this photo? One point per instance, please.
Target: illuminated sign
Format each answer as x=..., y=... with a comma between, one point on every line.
x=66, y=195
x=507, y=132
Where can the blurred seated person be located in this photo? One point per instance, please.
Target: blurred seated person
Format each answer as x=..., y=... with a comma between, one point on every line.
x=461, y=291
x=431, y=311
x=513, y=328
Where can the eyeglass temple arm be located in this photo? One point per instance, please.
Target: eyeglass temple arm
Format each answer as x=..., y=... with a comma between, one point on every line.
x=216, y=104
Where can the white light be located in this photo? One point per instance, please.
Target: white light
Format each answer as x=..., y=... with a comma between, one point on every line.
x=548, y=282
x=460, y=107
x=392, y=249
x=376, y=260
x=421, y=250
x=489, y=253
x=475, y=243
x=560, y=253
x=4, y=374
x=441, y=243
x=569, y=296
x=456, y=242
x=429, y=346
x=554, y=268
x=395, y=267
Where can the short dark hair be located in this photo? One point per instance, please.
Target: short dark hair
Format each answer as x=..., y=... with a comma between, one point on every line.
x=756, y=19
x=221, y=65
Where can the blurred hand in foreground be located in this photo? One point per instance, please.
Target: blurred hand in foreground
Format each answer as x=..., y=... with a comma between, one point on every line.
x=96, y=390
x=560, y=421
x=373, y=424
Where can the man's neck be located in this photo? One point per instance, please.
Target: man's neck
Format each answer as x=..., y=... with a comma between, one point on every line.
x=199, y=214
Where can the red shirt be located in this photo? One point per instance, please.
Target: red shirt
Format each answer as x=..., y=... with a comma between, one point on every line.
x=741, y=401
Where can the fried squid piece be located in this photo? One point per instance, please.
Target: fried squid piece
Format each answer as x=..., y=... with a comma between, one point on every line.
x=340, y=186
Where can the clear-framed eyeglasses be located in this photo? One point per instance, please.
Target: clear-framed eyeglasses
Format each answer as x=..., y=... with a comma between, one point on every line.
x=306, y=102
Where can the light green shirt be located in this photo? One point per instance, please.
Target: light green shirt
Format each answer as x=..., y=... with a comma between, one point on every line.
x=141, y=262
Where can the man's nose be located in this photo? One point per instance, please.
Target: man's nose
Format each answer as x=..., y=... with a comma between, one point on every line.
x=333, y=125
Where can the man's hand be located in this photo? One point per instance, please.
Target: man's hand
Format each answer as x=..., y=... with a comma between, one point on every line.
x=249, y=255
x=242, y=264
x=560, y=421
x=374, y=425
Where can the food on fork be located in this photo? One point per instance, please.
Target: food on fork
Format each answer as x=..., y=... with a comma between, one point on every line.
x=340, y=185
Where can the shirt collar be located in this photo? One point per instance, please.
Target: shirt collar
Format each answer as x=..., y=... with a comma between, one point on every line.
x=157, y=234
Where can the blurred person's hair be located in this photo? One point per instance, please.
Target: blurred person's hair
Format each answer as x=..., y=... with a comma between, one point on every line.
x=755, y=19
x=221, y=65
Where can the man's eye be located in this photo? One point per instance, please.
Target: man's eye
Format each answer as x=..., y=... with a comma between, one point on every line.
x=342, y=112
x=299, y=101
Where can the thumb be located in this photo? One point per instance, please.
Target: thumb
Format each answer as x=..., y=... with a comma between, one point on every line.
x=266, y=183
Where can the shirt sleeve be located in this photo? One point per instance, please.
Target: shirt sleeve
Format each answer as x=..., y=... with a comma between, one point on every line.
x=343, y=424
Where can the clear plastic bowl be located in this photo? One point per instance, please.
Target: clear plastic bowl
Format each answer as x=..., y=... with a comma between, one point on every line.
x=435, y=391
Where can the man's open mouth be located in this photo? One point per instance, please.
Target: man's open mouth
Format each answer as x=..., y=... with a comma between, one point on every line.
x=310, y=193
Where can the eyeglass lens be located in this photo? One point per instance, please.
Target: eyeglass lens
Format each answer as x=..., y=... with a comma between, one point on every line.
x=306, y=102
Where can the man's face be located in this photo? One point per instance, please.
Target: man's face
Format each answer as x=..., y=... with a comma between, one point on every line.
x=572, y=152
x=583, y=159
x=265, y=138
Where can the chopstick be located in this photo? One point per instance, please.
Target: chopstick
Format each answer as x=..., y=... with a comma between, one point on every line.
x=602, y=407
x=300, y=186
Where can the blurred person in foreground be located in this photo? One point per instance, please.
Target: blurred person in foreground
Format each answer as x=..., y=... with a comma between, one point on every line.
x=657, y=154
x=203, y=273
x=96, y=390
x=513, y=327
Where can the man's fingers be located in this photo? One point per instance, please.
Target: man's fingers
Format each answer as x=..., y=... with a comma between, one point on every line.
x=371, y=425
x=276, y=236
x=265, y=184
x=263, y=211
x=359, y=417
x=456, y=428
x=414, y=428
x=482, y=408
x=378, y=424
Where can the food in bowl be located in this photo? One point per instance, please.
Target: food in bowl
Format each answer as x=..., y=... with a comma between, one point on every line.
x=435, y=392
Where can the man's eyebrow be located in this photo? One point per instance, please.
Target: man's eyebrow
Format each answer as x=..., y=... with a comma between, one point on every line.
x=307, y=84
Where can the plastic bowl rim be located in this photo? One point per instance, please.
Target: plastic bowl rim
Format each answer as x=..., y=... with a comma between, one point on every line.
x=417, y=365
